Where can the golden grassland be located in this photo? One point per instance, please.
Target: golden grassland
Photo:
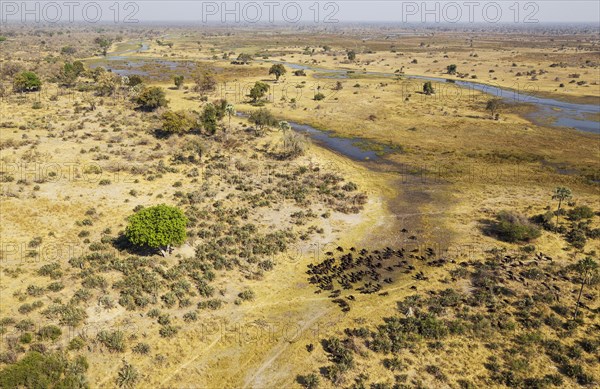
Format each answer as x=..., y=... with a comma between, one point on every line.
x=453, y=167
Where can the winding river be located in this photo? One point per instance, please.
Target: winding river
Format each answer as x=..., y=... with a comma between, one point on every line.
x=548, y=112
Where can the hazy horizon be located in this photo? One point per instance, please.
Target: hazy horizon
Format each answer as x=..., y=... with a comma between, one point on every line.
x=305, y=12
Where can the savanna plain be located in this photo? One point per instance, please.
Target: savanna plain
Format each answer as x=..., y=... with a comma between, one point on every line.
x=285, y=207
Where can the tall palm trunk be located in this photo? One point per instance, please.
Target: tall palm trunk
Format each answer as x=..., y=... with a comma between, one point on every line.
x=579, y=299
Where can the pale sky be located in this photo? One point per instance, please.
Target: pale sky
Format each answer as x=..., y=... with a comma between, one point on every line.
x=526, y=13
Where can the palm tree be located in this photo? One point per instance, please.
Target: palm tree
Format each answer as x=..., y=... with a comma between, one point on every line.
x=230, y=111
x=561, y=194
x=588, y=271
x=284, y=126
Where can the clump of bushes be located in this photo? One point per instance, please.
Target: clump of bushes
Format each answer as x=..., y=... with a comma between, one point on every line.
x=513, y=227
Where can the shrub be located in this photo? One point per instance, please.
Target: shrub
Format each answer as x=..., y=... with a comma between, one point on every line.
x=246, y=295
x=27, y=82
x=128, y=376
x=36, y=370
x=50, y=332
x=51, y=270
x=581, y=212
x=26, y=338
x=309, y=381
x=576, y=238
x=76, y=343
x=177, y=122
x=190, y=316
x=512, y=227
x=262, y=118
x=168, y=331
x=428, y=88
x=141, y=348
x=35, y=291
x=114, y=341
x=152, y=98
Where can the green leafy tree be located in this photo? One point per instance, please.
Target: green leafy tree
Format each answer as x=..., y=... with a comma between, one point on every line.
x=70, y=72
x=158, y=227
x=493, y=105
x=178, y=80
x=294, y=144
x=209, y=118
x=258, y=91
x=451, y=69
x=104, y=44
x=177, y=122
x=152, y=98
x=262, y=118
x=561, y=194
x=68, y=50
x=134, y=80
x=428, y=88
x=278, y=70
x=27, y=82
x=588, y=272
x=205, y=82
x=48, y=370
x=243, y=59
x=107, y=83
x=351, y=55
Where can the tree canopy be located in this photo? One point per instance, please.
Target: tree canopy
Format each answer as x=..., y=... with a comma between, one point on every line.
x=258, y=91
x=428, y=88
x=157, y=227
x=262, y=118
x=209, y=118
x=27, y=82
x=151, y=98
x=278, y=70
x=177, y=122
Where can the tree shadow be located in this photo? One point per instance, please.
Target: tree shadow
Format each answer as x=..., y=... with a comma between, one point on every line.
x=121, y=243
x=488, y=227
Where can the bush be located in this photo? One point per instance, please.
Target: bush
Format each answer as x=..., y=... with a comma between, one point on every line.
x=246, y=295
x=309, y=381
x=27, y=82
x=262, y=118
x=513, y=227
x=177, y=122
x=51, y=270
x=152, y=98
x=36, y=370
x=76, y=343
x=167, y=331
x=582, y=212
x=141, y=348
x=128, y=376
x=50, y=332
x=56, y=287
x=114, y=341
x=576, y=238
x=26, y=338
